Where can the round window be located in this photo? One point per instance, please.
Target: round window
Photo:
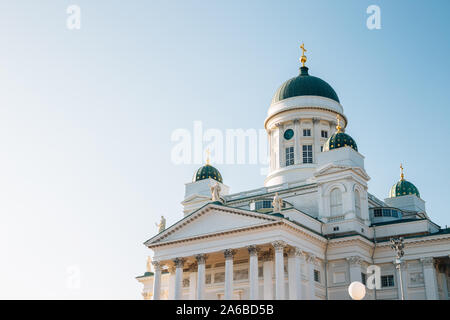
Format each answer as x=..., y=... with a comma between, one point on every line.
x=288, y=134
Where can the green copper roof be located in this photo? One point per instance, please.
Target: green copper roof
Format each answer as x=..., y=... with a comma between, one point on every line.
x=207, y=171
x=339, y=140
x=403, y=188
x=304, y=85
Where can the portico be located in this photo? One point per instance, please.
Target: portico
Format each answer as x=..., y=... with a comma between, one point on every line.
x=272, y=283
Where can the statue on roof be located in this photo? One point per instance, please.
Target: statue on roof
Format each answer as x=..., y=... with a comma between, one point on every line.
x=215, y=192
x=161, y=225
x=277, y=203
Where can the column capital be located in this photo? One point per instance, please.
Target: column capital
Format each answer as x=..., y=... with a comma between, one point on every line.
x=253, y=250
x=201, y=258
x=156, y=265
x=427, y=262
x=279, y=245
x=229, y=253
x=179, y=262
x=355, y=261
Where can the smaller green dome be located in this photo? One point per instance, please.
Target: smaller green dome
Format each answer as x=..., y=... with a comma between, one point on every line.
x=338, y=140
x=207, y=171
x=403, y=188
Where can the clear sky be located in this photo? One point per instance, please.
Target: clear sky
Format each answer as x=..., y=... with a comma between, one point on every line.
x=86, y=117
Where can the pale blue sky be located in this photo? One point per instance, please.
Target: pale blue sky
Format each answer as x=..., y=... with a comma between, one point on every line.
x=86, y=116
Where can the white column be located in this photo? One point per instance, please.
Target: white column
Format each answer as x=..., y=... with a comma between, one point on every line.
x=171, y=294
x=279, y=269
x=179, y=263
x=355, y=268
x=310, y=262
x=297, y=146
x=201, y=260
x=253, y=272
x=429, y=274
x=156, y=280
x=316, y=136
x=193, y=282
x=281, y=152
x=268, y=275
x=269, y=144
x=228, y=254
x=295, y=276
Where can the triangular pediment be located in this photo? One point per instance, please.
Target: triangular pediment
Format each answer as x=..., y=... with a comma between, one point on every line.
x=330, y=169
x=210, y=219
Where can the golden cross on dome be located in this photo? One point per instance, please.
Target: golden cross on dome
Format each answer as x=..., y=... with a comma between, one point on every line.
x=303, y=58
x=402, y=176
x=338, y=127
x=208, y=154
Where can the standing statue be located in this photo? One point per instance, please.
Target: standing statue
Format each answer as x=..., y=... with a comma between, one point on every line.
x=215, y=192
x=277, y=203
x=149, y=264
x=161, y=225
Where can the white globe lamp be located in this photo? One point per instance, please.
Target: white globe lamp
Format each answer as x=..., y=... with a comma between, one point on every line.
x=357, y=290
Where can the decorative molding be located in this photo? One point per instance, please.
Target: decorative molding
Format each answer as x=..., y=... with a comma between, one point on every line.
x=310, y=258
x=295, y=252
x=355, y=261
x=229, y=253
x=253, y=250
x=289, y=110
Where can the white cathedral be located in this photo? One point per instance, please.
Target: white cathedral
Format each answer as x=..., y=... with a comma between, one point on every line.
x=310, y=231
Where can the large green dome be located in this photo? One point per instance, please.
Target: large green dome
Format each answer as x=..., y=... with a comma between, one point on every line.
x=304, y=85
x=338, y=140
x=207, y=171
x=403, y=188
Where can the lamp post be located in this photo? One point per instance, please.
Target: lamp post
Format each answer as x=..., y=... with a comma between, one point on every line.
x=397, y=245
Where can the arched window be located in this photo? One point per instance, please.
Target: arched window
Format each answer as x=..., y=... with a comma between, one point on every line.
x=336, y=202
x=357, y=203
